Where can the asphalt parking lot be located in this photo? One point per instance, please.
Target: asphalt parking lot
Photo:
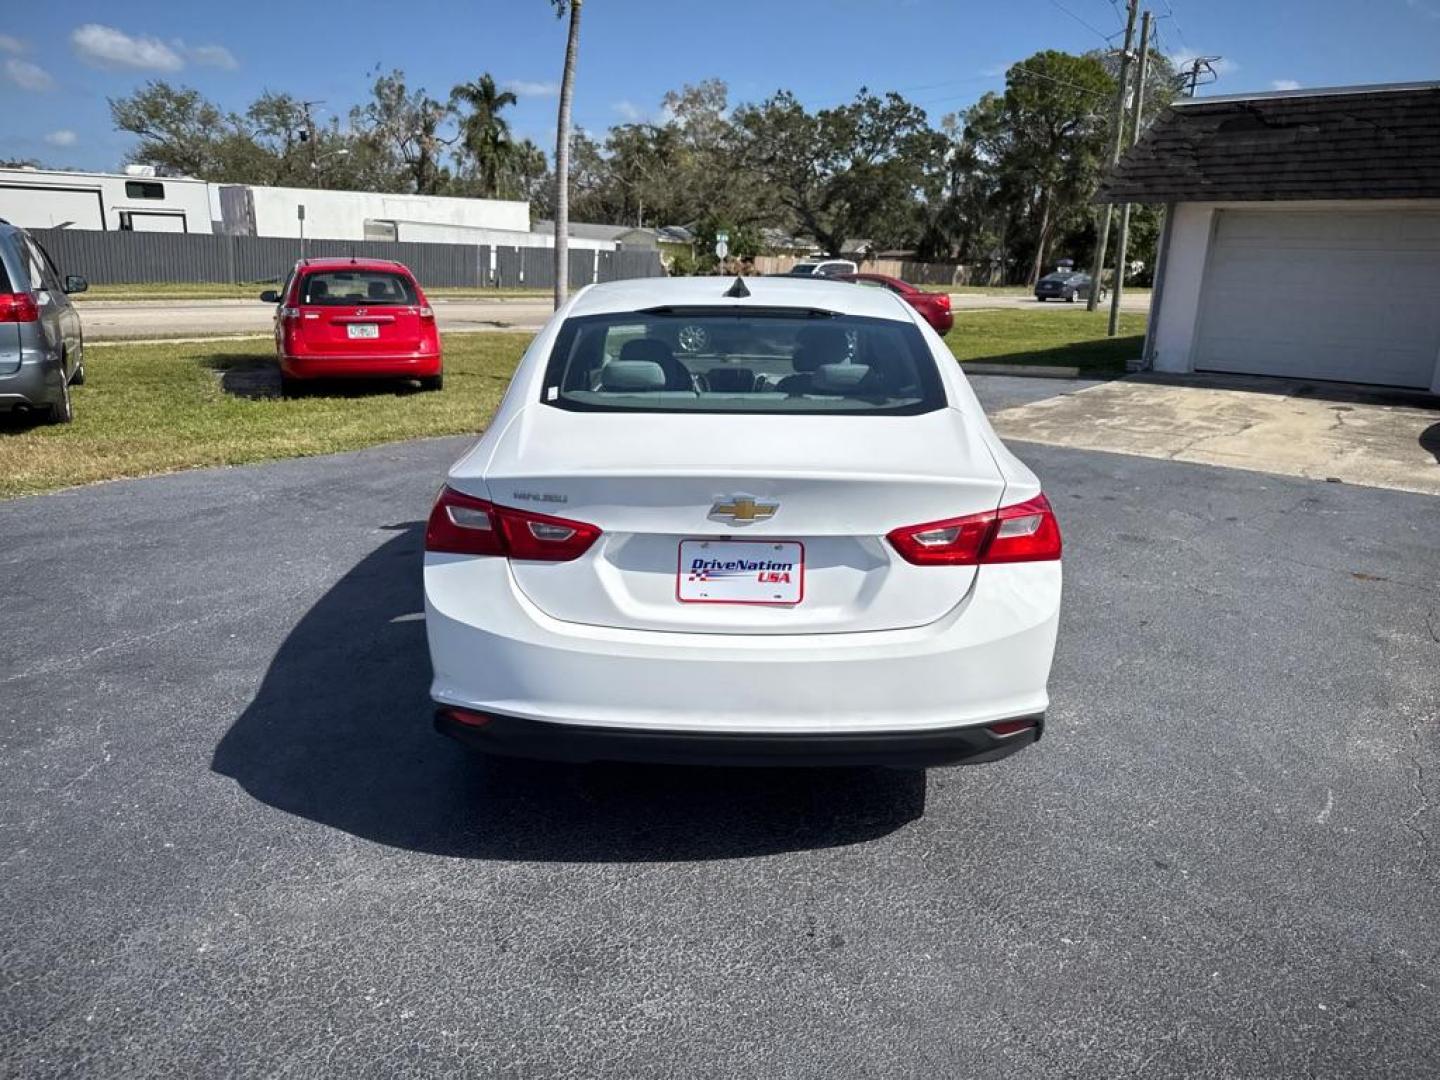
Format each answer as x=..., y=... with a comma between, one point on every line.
x=232, y=845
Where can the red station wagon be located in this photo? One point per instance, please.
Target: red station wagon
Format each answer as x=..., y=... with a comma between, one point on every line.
x=354, y=319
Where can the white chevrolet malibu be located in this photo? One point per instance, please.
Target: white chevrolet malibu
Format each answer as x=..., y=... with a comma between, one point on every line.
x=759, y=522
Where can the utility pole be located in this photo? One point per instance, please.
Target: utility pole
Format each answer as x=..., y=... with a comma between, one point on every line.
x=307, y=133
x=1124, y=240
x=1098, y=267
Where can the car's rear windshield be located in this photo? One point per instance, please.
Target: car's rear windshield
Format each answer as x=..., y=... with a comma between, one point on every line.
x=805, y=269
x=348, y=288
x=740, y=360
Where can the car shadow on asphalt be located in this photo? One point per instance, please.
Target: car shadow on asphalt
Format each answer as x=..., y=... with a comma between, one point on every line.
x=340, y=733
x=250, y=376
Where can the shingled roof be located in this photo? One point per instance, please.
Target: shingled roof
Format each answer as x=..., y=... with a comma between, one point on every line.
x=1378, y=142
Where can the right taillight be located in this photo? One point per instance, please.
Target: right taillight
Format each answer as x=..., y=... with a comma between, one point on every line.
x=18, y=307
x=464, y=525
x=1025, y=532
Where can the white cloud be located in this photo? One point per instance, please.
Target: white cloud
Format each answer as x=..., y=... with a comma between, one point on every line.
x=210, y=56
x=1285, y=84
x=629, y=111
x=12, y=45
x=526, y=88
x=63, y=137
x=107, y=47
x=28, y=76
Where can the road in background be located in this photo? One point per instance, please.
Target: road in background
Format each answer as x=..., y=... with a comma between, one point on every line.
x=112, y=320
x=234, y=845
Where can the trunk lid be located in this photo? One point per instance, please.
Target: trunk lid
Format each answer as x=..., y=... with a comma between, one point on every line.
x=837, y=484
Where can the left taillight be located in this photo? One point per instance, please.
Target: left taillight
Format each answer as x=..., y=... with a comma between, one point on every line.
x=18, y=307
x=1024, y=532
x=461, y=524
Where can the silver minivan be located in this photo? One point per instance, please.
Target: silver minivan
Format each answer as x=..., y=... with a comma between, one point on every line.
x=42, y=353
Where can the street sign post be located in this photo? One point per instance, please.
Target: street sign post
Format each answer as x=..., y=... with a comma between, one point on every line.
x=722, y=244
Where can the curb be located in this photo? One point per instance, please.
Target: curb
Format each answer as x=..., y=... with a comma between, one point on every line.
x=1034, y=371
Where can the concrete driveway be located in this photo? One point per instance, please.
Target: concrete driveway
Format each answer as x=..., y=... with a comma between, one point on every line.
x=233, y=846
x=1291, y=427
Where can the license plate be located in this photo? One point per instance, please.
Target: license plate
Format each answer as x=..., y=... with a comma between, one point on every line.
x=740, y=572
x=363, y=330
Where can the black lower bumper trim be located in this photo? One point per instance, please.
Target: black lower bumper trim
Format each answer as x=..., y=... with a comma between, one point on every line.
x=512, y=736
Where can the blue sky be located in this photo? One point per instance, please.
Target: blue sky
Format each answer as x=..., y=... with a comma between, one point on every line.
x=60, y=63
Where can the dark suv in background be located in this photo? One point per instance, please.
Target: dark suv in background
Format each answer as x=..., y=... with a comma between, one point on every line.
x=41, y=351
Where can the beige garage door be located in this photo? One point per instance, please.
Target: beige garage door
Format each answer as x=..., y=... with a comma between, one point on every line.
x=1349, y=295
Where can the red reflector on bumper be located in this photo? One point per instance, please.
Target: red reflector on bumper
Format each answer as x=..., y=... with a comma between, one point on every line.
x=469, y=719
x=1010, y=727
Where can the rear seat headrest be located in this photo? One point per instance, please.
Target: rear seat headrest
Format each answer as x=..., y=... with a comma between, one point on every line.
x=632, y=376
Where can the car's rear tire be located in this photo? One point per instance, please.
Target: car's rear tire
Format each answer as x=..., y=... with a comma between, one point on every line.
x=78, y=379
x=1039, y=299
x=61, y=411
x=433, y=382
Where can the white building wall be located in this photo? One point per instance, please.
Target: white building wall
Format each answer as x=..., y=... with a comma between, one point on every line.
x=424, y=232
x=341, y=215
x=42, y=199
x=1175, y=324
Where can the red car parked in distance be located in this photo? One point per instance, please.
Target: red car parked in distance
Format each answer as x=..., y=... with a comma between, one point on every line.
x=934, y=306
x=354, y=319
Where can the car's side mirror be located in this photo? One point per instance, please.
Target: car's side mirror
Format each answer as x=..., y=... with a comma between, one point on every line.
x=75, y=283
x=269, y=296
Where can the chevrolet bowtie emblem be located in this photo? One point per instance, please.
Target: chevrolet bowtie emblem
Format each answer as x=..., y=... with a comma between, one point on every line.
x=742, y=510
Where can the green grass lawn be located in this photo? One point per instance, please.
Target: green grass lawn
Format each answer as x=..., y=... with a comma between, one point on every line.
x=191, y=291
x=157, y=408
x=1062, y=338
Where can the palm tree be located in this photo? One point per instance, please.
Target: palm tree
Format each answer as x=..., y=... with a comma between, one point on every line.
x=484, y=133
x=562, y=152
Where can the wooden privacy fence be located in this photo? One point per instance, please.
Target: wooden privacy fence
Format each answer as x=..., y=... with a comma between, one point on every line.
x=920, y=273
x=131, y=258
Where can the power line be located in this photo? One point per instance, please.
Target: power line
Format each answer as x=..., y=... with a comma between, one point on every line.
x=1019, y=71
x=945, y=82
x=1062, y=82
x=1088, y=26
x=1170, y=14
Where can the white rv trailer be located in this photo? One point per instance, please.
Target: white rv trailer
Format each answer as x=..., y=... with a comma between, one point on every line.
x=143, y=202
x=341, y=215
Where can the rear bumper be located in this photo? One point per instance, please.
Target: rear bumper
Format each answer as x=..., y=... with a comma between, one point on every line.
x=512, y=736
x=988, y=660
x=35, y=384
x=361, y=367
